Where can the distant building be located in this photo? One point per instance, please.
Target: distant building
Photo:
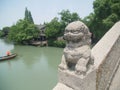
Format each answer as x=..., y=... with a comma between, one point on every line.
x=41, y=40
x=42, y=36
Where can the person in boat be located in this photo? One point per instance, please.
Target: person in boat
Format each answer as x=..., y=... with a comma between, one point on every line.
x=8, y=53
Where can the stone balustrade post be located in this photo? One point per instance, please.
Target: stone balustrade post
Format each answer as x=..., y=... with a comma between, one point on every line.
x=77, y=63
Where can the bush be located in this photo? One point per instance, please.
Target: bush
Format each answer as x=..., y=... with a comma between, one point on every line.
x=1, y=33
x=59, y=43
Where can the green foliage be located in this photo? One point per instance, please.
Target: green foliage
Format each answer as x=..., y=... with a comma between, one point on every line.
x=28, y=16
x=23, y=31
x=67, y=17
x=56, y=43
x=59, y=43
x=53, y=29
x=5, y=31
x=1, y=33
x=106, y=14
x=51, y=42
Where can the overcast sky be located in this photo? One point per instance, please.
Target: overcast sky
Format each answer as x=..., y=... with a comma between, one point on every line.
x=41, y=10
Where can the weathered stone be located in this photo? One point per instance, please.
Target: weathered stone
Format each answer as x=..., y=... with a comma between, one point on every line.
x=106, y=54
x=61, y=86
x=78, y=82
x=76, y=70
x=77, y=53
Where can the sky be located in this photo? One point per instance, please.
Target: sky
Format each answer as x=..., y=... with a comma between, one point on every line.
x=42, y=10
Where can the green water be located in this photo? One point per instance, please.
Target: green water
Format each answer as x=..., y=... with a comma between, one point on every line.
x=34, y=68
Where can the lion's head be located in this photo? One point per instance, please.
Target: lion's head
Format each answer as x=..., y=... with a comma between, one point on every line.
x=77, y=32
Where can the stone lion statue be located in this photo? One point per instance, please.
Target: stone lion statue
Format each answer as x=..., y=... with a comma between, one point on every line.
x=77, y=53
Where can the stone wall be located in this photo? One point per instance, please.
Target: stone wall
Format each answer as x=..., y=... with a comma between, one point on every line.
x=106, y=55
x=108, y=67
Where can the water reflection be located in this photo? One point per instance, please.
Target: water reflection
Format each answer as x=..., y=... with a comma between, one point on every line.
x=34, y=68
x=5, y=46
x=31, y=55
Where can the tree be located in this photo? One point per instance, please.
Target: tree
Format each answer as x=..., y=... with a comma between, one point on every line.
x=28, y=16
x=92, y=24
x=67, y=17
x=23, y=31
x=106, y=14
x=1, y=33
x=4, y=32
x=56, y=27
x=53, y=30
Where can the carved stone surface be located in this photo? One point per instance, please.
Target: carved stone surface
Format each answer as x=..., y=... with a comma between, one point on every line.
x=77, y=53
x=77, y=58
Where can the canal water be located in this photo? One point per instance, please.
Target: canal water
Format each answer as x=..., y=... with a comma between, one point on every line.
x=35, y=68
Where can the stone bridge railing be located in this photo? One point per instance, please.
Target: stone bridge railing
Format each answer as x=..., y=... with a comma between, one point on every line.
x=85, y=69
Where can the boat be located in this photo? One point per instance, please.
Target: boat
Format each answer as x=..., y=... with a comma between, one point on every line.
x=8, y=57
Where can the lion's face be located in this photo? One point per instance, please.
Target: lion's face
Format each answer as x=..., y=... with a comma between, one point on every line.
x=77, y=34
x=73, y=35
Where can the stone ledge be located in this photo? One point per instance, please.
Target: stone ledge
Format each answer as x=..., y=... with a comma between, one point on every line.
x=61, y=86
x=104, y=46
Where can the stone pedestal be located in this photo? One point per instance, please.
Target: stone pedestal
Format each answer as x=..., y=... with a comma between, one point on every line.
x=68, y=80
x=78, y=82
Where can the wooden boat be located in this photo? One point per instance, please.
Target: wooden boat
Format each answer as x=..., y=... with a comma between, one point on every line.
x=8, y=57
